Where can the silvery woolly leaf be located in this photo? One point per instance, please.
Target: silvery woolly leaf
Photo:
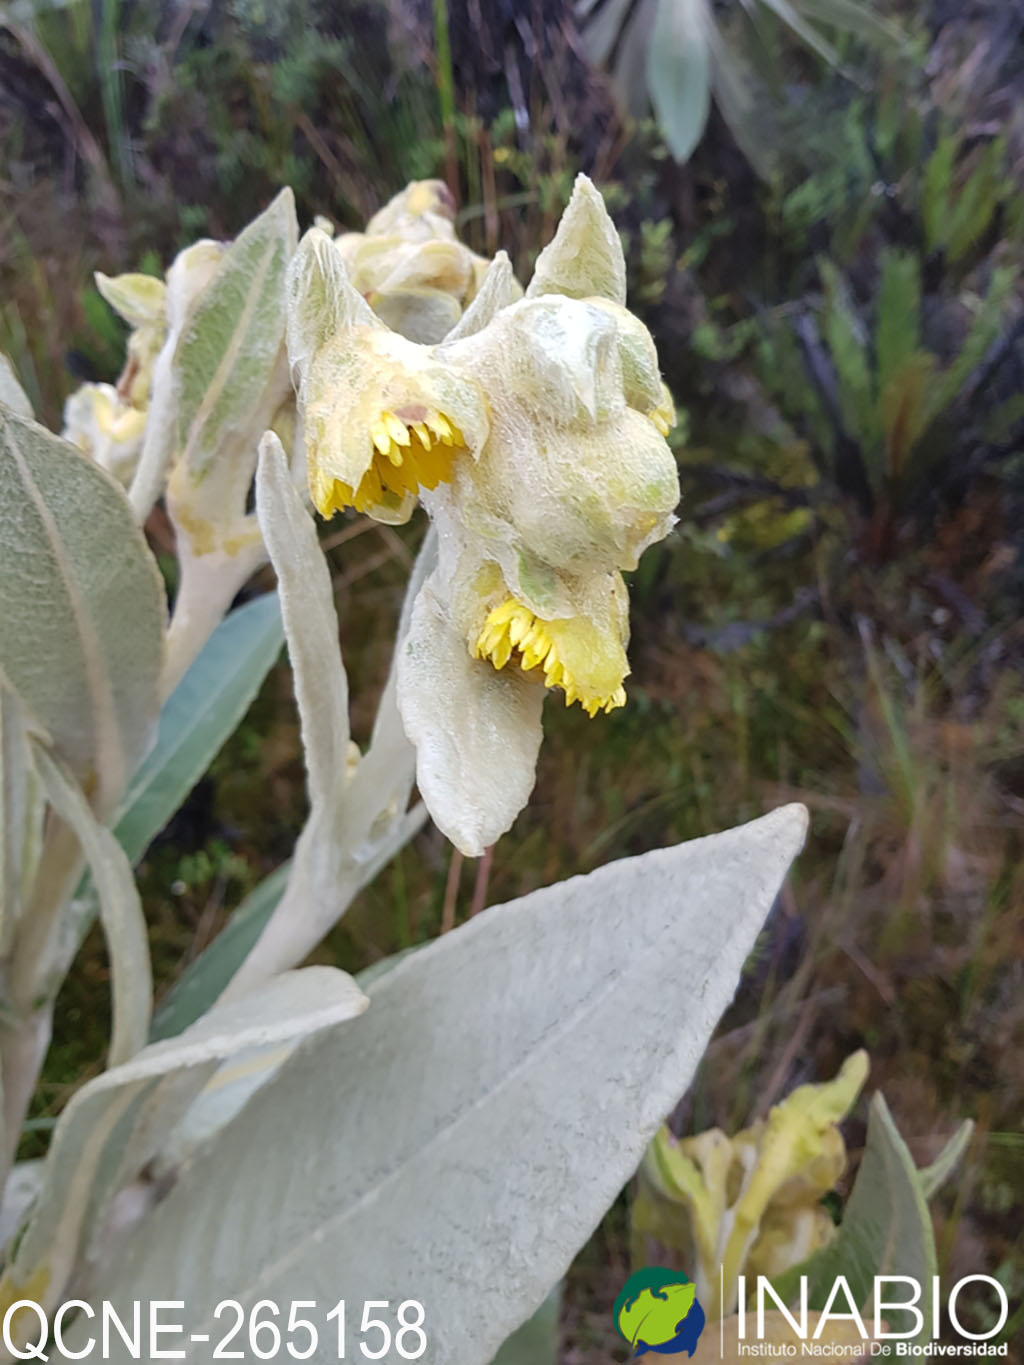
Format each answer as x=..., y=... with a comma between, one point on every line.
x=124, y=924
x=20, y=1192
x=220, y=374
x=11, y=392
x=358, y=819
x=115, y=1124
x=679, y=72
x=461, y=1140
x=231, y=345
x=935, y=1175
x=229, y=378
x=310, y=622
x=16, y=811
x=536, y=1342
x=81, y=608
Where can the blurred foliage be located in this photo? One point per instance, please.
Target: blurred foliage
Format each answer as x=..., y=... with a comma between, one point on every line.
x=835, y=619
x=680, y=55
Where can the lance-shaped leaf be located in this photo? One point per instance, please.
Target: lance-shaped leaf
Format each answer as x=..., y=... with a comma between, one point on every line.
x=115, y=1124
x=15, y=811
x=679, y=71
x=461, y=1140
x=310, y=623
x=11, y=392
x=190, y=273
x=124, y=925
x=229, y=350
x=81, y=608
x=935, y=1175
x=357, y=820
x=853, y=16
x=214, y=378
x=230, y=377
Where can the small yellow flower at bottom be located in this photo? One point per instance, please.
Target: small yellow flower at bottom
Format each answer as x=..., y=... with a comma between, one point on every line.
x=571, y=652
x=412, y=449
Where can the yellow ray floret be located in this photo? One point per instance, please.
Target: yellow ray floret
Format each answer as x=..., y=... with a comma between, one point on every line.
x=573, y=655
x=664, y=415
x=410, y=452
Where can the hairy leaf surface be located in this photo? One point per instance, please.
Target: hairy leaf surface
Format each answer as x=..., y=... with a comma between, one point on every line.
x=82, y=609
x=459, y=1142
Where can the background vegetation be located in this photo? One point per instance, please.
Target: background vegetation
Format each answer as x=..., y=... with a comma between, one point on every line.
x=837, y=616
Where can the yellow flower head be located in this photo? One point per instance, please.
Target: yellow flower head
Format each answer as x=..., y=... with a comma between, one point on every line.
x=105, y=427
x=382, y=416
x=570, y=654
x=475, y=668
x=572, y=479
x=142, y=301
x=410, y=266
x=663, y=414
x=576, y=472
x=423, y=211
x=751, y=1203
x=151, y=306
x=556, y=632
x=534, y=433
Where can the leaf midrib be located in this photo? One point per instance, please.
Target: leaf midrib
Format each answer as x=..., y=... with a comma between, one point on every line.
x=590, y=1005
